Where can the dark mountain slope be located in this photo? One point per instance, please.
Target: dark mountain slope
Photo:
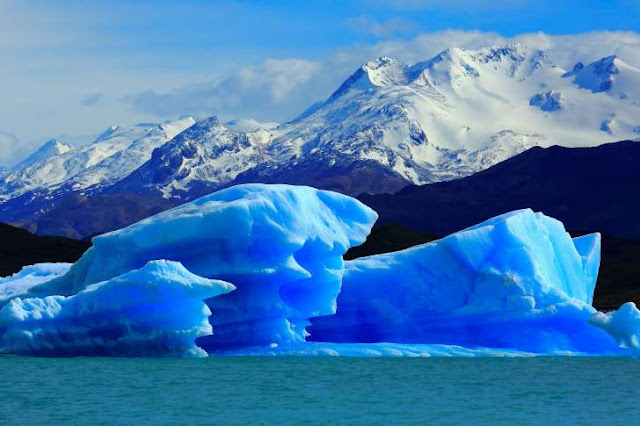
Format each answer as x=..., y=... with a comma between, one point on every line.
x=589, y=189
x=19, y=248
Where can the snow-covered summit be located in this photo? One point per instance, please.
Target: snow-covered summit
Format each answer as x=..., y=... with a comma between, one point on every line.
x=380, y=72
x=246, y=125
x=113, y=155
x=603, y=74
x=207, y=154
x=49, y=149
x=387, y=125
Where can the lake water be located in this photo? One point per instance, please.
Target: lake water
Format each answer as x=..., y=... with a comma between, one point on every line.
x=284, y=390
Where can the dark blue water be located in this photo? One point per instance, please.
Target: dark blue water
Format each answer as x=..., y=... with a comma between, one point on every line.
x=320, y=391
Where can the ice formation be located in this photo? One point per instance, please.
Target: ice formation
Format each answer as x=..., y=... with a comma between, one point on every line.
x=280, y=245
x=515, y=281
x=623, y=325
x=19, y=283
x=515, y=285
x=157, y=310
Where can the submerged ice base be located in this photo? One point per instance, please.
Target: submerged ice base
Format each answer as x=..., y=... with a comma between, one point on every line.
x=256, y=264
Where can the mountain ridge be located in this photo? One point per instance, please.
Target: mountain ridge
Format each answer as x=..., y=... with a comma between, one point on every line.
x=386, y=126
x=558, y=181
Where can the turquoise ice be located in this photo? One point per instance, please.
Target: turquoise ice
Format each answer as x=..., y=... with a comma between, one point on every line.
x=157, y=310
x=516, y=281
x=280, y=245
x=258, y=269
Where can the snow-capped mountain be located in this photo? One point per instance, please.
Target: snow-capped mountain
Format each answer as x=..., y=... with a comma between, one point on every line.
x=206, y=155
x=388, y=125
x=608, y=74
x=463, y=111
x=51, y=148
x=246, y=125
x=113, y=155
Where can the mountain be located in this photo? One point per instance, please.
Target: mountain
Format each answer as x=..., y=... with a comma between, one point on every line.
x=388, y=126
x=21, y=248
x=391, y=124
x=246, y=125
x=113, y=155
x=50, y=149
x=608, y=74
x=202, y=158
x=209, y=156
x=589, y=189
x=463, y=111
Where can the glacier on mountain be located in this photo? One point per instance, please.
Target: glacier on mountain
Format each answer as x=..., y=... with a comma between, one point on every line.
x=51, y=148
x=514, y=285
x=419, y=122
x=112, y=156
x=157, y=310
x=387, y=126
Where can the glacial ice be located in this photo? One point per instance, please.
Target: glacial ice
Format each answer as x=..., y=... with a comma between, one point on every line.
x=280, y=245
x=623, y=325
x=515, y=281
x=157, y=310
x=21, y=282
x=514, y=285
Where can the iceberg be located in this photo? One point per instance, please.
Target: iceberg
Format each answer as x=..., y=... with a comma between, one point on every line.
x=280, y=245
x=516, y=281
x=258, y=270
x=157, y=310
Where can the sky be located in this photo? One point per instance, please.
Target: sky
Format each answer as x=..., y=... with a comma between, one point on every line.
x=71, y=68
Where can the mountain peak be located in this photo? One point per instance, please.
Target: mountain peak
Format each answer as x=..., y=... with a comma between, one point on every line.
x=172, y=128
x=247, y=125
x=209, y=122
x=379, y=72
x=49, y=149
x=598, y=76
x=379, y=63
x=55, y=144
x=107, y=133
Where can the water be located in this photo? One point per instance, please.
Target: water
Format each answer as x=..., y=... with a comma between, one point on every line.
x=281, y=390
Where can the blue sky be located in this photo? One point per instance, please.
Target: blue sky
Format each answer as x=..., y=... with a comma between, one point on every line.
x=76, y=67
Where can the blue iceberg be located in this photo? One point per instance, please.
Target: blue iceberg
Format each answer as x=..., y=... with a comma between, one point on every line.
x=157, y=310
x=280, y=245
x=258, y=269
x=515, y=281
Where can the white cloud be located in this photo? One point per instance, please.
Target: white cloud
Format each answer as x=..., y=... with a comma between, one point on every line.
x=566, y=50
x=59, y=62
x=10, y=148
x=268, y=90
